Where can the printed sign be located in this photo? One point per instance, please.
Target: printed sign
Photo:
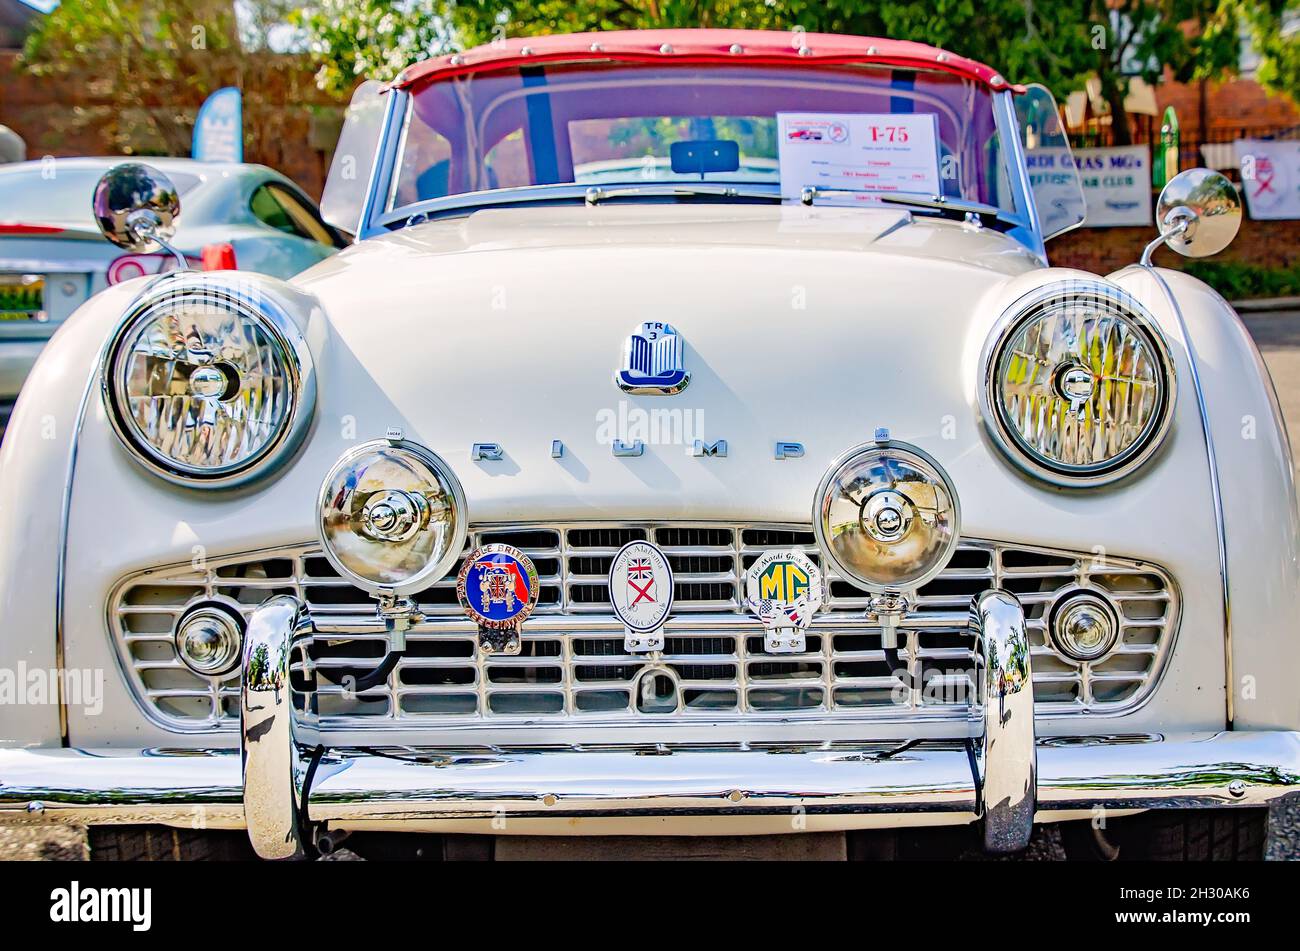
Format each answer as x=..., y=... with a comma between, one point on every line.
x=1115, y=182
x=1270, y=177
x=861, y=153
x=219, y=128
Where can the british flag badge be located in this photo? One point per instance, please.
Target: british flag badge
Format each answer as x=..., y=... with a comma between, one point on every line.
x=641, y=592
x=784, y=590
x=498, y=588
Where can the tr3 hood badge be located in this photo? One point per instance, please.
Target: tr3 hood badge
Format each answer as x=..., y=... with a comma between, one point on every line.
x=641, y=592
x=784, y=590
x=654, y=361
x=498, y=588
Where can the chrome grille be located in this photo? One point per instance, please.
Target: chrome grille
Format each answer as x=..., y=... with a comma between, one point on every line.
x=573, y=669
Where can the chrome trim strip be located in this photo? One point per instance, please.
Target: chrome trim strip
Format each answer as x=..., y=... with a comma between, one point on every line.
x=1216, y=491
x=402, y=786
x=273, y=768
x=381, y=171
x=1004, y=116
x=1006, y=758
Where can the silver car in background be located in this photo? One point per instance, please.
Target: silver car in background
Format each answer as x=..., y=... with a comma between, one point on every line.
x=53, y=256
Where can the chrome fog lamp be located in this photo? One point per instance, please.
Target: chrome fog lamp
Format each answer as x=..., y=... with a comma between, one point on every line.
x=1084, y=626
x=206, y=383
x=886, y=517
x=209, y=638
x=1078, y=385
x=392, y=517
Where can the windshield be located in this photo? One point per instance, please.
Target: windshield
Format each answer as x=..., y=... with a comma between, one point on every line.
x=775, y=128
x=38, y=193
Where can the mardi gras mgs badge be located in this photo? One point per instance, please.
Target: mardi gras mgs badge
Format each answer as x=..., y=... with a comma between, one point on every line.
x=498, y=589
x=784, y=590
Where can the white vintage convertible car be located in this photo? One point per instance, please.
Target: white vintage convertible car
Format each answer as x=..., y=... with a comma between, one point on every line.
x=697, y=441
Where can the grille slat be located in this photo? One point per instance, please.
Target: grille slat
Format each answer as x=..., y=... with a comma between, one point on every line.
x=576, y=670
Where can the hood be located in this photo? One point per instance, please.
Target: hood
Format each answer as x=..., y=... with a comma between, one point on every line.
x=799, y=325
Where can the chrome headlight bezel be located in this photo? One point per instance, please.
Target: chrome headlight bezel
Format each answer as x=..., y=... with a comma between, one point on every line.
x=1006, y=436
x=247, y=302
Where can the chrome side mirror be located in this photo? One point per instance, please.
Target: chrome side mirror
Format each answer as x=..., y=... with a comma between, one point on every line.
x=135, y=207
x=1199, y=213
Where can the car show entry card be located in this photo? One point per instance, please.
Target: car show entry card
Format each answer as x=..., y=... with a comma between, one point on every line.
x=861, y=153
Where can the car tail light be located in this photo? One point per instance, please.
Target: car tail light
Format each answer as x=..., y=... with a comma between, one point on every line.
x=130, y=266
x=219, y=257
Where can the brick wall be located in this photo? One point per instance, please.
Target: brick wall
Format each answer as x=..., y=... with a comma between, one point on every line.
x=289, y=124
x=1231, y=108
x=1270, y=244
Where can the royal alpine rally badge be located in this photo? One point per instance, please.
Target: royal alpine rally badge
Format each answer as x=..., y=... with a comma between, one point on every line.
x=641, y=591
x=784, y=590
x=498, y=589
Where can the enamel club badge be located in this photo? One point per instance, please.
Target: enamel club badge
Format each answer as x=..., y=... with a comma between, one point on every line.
x=641, y=591
x=784, y=590
x=498, y=589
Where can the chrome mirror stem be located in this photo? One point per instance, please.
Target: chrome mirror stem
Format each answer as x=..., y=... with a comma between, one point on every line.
x=1175, y=224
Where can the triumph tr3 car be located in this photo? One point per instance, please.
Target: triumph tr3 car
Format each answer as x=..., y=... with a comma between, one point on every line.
x=697, y=440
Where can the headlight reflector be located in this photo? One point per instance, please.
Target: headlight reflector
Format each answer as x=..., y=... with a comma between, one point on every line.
x=392, y=517
x=886, y=517
x=1078, y=384
x=205, y=384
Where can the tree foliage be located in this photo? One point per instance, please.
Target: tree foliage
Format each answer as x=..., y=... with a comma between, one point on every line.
x=1275, y=34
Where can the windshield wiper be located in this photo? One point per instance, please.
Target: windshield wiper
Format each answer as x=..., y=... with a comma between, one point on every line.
x=938, y=203
x=596, y=195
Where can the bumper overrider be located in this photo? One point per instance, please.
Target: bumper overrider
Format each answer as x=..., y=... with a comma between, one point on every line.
x=284, y=786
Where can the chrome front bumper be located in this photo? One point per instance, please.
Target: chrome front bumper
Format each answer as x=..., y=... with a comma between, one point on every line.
x=283, y=784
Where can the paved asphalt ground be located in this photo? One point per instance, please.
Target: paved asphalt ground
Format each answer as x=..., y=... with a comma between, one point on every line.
x=1278, y=337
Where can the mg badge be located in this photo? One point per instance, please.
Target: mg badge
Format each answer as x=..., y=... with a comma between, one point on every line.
x=498, y=588
x=641, y=591
x=654, y=361
x=784, y=590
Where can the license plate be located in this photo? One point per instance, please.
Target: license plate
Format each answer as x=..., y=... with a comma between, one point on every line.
x=22, y=297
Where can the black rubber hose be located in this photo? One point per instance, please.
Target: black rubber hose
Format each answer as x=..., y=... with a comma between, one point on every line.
x=365, y=680
x=910, y=680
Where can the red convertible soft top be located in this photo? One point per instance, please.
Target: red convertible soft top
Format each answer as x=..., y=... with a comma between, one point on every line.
x=764, y=47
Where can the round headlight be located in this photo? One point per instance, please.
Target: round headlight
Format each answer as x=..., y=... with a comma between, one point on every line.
x=207, y=385
x=392, y=517
x=886, y=517
x=1078, y=384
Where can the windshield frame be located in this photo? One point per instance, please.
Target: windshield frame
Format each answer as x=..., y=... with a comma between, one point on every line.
x=1022, y=222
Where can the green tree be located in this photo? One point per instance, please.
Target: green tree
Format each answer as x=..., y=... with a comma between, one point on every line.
x=354, y=40
x=1056, y=42
x=1275, y=35
x=144, y=59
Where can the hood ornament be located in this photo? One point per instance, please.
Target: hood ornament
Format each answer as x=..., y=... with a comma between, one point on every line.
x=653, y=361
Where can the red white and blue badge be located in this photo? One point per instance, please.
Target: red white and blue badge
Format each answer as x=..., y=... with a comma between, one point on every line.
x=784, y=590
x=641, y=591
x=498, y=589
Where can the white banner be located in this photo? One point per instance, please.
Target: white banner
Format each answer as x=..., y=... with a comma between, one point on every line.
x=1116, y=185
x=1270, y=177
